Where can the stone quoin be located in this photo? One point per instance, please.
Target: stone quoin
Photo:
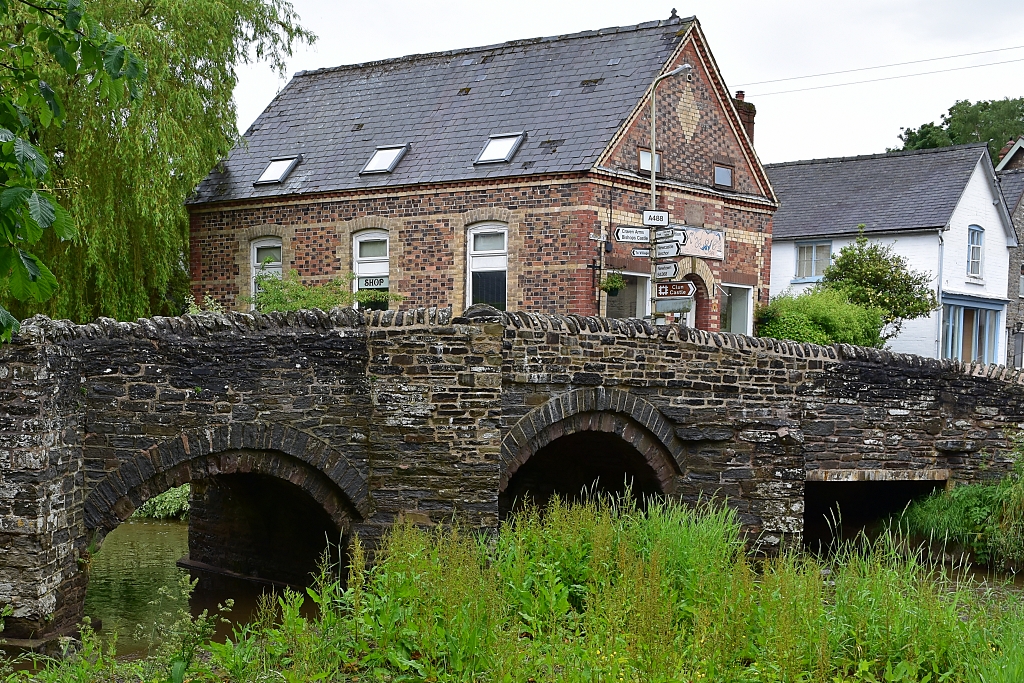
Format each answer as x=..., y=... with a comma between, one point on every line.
x=362, y=419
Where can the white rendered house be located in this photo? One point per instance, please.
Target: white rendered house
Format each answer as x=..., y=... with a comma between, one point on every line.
x=939, y=208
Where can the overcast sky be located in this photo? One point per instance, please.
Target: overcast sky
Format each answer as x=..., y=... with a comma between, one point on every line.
x=752, y=40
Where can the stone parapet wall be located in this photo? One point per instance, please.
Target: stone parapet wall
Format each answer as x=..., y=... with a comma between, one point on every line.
x=421, y=415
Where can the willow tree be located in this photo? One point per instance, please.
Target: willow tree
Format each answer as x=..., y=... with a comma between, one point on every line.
x=125, y=175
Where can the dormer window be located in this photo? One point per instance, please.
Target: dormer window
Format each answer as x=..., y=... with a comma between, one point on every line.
x=644, y=157
x=385, y=159
x=278, y=170
x=500, y=148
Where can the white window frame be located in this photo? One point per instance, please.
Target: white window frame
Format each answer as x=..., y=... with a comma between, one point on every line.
x=371, y=266
x=643, y=294
x=256, y=268
x=972, y=231
x=814, y=260
x=519, y=138
x=749, y=322
x=724, y=167
x=283, y=175
x=485, y=261
x=402, y=149
x=641, y=154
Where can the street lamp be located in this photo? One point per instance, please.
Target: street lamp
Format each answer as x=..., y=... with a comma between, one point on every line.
x=683, y=69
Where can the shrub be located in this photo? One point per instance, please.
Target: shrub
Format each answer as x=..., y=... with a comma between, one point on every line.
x=820, y=316
x=289, y=293
x=171, y=504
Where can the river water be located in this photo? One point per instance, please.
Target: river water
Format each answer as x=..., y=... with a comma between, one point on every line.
x=135, y=585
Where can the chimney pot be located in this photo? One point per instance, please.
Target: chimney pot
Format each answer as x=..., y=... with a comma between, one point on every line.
x=740, y=95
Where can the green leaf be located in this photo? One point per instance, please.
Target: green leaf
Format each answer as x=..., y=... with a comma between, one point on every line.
x=60, y=52
x=9, y=325
x=64, y=224
x=30, y=158
x=31, y=279
x=52, y=99
x=113, y=60
x=6, y=135
x=74, y=14
x=12, y=196
x=41, y=210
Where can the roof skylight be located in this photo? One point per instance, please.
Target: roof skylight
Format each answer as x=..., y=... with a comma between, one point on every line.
x=278, y=170
x=385, y=159
x=500, y=148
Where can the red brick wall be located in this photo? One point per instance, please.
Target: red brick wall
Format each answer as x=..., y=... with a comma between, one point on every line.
x=694, y=130
x=550, y=247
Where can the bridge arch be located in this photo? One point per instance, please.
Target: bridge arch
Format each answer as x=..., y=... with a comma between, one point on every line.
x=625, y=424
x=272, y=450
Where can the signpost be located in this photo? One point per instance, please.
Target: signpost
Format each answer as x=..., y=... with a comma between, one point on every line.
x=675, y=289
x=655, y=219
x=666, y=249
x=640, y=252
x=637, y=235
x=666, y=271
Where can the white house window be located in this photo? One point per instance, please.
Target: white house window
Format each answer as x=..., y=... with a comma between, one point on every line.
x=488, y=265
x=265, y=257
x=1020, y=286
x=372, y=267
x=632, y=301
x=645, y=161
x=975, y=240
x=812, y=260
x=970, y=333
x=500, y=148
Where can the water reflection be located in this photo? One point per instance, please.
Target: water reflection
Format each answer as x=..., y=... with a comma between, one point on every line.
x=137, y=560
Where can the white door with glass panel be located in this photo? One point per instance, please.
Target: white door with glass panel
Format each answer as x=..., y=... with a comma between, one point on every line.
x=372, y=267
x=488, y=266
x=265, y=258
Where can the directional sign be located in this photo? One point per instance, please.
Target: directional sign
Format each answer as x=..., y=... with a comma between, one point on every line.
x=666, y=250
x=639, y=252
x=666, y=271
x=624, y=234
x=657, y=219
x=674, y=305
x=664, y=234
x=675, y=289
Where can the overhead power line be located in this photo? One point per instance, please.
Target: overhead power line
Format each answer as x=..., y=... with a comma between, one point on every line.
x=881, y=66
x=886, y=78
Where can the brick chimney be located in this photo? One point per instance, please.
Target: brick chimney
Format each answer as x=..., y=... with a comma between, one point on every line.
x=747, y=112
x=1006, y=150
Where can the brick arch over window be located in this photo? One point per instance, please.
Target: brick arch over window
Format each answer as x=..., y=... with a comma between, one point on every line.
x=243, y=256
x=276, y=450
x=461, y=225
x=596, y=410
x=699, y=273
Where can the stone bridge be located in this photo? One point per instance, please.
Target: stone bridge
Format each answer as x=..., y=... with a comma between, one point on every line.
x=300, y=426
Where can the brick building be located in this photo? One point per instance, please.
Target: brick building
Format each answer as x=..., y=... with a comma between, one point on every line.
x=497, y=175
x=1010, y=171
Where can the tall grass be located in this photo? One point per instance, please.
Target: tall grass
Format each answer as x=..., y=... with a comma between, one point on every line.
x=986, y=519
x=604, y=592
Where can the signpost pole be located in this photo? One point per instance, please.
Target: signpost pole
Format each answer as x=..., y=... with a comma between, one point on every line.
x=685, y=68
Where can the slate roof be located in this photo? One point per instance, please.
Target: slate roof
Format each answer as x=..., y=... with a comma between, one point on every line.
x=1012, y=185
x=886, y=192
x=569, y=93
